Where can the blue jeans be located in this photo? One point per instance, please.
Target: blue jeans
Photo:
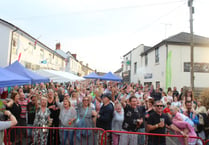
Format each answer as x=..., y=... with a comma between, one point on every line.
x=29, y=130
x=67, y=135
x=141, y=138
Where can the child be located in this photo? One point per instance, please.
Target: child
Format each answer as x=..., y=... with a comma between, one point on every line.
x=117, y=122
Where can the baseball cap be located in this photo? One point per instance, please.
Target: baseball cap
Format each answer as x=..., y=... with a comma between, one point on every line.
x=108, y=95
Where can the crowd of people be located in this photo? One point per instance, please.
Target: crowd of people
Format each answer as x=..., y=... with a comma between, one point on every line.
x=107, y=105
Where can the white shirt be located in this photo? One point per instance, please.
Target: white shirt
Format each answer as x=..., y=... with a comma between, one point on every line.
x=170, y=99
x=177, y=104
x=5, y=125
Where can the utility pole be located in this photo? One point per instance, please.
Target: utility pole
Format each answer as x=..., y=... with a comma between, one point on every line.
x=191, y=12
x=166, y=26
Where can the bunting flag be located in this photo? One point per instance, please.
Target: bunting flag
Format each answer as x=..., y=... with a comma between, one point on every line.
x=44, y=61
x=35, y=44
x=168, y=70
x=19, y=56
x=128, y=62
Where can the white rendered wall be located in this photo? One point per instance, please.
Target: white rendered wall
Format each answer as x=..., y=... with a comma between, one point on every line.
x=136, y=57
x=5, y=40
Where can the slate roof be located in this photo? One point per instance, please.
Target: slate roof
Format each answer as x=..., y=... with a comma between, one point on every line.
x=119, y=70
x=182, y=38
x=62, y=53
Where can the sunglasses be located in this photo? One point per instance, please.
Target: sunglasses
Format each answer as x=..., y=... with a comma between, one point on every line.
x=85, y=100
x=159, y=105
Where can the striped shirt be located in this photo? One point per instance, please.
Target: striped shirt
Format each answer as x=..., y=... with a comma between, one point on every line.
x=23, y=105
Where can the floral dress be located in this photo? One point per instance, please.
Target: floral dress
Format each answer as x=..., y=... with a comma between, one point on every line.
x=41, y=120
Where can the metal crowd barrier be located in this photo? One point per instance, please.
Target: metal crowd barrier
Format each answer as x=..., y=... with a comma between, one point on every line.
x=79, y=136
x=207, y=142
x=170, y=138
x=52, y=135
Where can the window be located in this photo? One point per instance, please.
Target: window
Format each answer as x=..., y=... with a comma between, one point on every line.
x=126, y=63
x=157, y=55
x=135, y=67
x=157, y=84
x=28, y=65
x=14, y=47
x=147, y=84
x=42, y=54
x=14, y=43
x=50, y=58
x=146, y=60
x=56, y=60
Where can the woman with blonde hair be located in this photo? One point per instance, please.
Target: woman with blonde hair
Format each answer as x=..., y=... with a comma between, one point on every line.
x=67, y=118
x=42, y=119
x=202, y=114
x=170, y=96
x=185, y=124
x=117, y=122
x=189, y=93
x=74, y=99
x=164, y=98
x=200, y=108
x=87, y=114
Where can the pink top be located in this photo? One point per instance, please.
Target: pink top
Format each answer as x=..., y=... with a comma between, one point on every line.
x=184, y=125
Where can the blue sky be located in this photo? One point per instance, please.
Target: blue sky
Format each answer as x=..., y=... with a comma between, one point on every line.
x=102, y=31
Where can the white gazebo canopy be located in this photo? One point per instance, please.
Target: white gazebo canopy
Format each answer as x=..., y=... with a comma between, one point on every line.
x=59, y=76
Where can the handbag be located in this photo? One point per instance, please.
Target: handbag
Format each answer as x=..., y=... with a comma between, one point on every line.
x=80, y=123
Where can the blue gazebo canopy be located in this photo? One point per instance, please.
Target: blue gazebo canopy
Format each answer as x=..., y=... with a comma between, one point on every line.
x=9, y=79
x=19, y=69
x=92, y=75
x=111, y=77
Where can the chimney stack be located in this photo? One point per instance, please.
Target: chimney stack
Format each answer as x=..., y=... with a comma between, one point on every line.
x=74, y=55
x=58, y=45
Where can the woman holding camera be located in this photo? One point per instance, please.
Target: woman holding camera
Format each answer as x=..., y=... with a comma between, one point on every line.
x=14, y=107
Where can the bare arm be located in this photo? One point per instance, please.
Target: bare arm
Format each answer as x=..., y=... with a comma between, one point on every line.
x=11, y=117
x=173, y=127
x=9, y=104
x=123, y=102
x=98, y=97
x=152, y=127
x=155, y=126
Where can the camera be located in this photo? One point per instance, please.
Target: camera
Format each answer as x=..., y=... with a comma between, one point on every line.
x=3, y=117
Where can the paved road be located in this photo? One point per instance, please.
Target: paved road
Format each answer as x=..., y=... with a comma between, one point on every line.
x=172, y=140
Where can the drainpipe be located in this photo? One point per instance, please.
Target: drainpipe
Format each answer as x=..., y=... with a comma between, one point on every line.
x=10, y=57
x=166, y=45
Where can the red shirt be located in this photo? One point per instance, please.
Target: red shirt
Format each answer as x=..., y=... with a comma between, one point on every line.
x=167, y=110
